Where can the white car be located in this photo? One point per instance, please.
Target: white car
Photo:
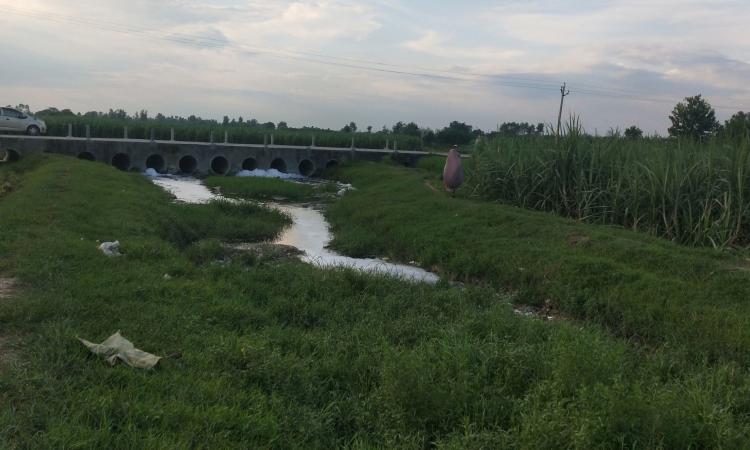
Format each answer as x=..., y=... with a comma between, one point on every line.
x=14, y=120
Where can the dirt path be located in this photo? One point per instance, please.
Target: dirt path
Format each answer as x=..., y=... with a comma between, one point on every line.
x=8, y=353
x=6, y=287
x=429, y=185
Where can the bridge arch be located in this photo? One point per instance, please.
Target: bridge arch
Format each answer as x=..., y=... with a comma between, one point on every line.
x=249, y=164
x=156, y=162
x=87, y=156
x=306, y=167
x=220, y=165
x=279, y=164
x=188, y=164
x=121, y=161
x=9, y=155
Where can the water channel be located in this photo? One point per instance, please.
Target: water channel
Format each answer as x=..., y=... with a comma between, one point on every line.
x=309, y=233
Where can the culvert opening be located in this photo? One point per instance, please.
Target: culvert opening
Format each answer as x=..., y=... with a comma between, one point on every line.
x=156, y=162
x=306, y=168
x=249, y=164
x=188, y=165
x=9, y=155
x=331, y=164
x=279, y=165
x=220, y=165
x=121, y=161
x=86, y=156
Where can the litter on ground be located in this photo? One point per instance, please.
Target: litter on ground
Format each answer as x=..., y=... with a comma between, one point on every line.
x=118, y=349
x=110, y=248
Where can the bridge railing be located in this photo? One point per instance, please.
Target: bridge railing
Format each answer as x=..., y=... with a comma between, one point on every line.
x=238, y=135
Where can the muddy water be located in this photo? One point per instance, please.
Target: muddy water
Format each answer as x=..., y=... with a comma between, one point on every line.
x=309, y=233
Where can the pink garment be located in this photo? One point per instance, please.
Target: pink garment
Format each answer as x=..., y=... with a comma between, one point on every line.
x=453, y=174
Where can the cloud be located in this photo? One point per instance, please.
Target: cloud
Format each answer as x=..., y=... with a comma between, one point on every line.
x=434, y=43
x=316, y=21
x=623, y=59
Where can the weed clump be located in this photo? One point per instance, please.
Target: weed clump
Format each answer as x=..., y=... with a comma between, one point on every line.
x=184, y=224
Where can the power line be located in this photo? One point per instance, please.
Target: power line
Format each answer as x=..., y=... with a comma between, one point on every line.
x=213, y=43
x=207, y=42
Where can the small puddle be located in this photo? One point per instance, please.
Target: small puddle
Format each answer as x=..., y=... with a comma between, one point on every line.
x=309, y=233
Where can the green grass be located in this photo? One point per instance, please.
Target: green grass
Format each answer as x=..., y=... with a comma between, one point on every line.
x=639, y=287
x=183, y=224
x=257, y=188
x=283, y=355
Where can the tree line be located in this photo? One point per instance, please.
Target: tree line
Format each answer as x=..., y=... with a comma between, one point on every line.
x=456, y=132
x=692, y=118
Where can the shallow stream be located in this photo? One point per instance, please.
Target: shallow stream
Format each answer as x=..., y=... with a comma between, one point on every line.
x=309, y=233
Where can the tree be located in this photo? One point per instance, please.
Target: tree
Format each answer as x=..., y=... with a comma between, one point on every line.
x=694, y=118
x=513, y=129
x=225, y=120
x=455, y=133
x=351, y=128
x=738, y=124
x=23, y=108
x=428, y=136
x=369, y=128
x=633, y=132
x=51, y=111
x=411, y=129
x=269, y=126
x=282, y=126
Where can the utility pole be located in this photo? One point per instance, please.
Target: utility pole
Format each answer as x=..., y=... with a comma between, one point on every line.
x=564, y=92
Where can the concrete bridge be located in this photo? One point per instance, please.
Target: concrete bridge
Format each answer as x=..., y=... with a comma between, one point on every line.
x=197, y=157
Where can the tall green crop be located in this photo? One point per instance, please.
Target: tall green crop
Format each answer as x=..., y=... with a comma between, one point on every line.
x=695, y=193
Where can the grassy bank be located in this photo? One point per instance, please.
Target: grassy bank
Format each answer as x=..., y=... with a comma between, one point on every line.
x=639, y=287
x=279, y=354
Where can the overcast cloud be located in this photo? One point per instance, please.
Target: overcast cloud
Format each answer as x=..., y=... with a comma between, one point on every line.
x=329, y=62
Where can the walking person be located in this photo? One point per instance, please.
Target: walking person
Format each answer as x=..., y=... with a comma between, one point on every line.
x=453, y=173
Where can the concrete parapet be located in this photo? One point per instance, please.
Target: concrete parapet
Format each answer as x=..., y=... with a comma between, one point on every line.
x=196, y=157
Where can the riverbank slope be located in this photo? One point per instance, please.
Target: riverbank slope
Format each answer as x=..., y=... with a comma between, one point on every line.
x=279, y=354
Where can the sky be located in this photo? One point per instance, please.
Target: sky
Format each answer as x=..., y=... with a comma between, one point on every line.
x=329, y=62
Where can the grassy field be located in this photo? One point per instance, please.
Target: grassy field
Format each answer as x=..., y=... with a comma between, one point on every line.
x=695, y=193
x=278, y=354
x=640, y=287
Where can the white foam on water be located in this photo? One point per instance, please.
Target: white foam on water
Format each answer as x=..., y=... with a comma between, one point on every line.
x=309, y=232
x=270, y=173
x=185, y=189
x=150, y=172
